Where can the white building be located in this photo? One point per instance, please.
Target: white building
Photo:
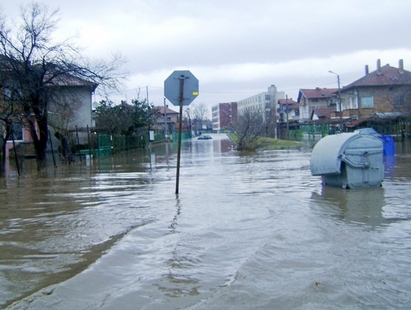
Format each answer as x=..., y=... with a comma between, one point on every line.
x=265, y=102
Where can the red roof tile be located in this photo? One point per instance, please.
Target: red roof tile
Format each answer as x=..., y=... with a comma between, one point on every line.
x=386, y=76
x=290, y=103
x=324, y=112
x=318, y=93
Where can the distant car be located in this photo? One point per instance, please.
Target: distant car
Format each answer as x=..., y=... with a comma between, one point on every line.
x=204, y=137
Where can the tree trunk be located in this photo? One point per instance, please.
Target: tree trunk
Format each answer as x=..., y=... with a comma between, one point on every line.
x=3, y=157
x=39, y=140
x=8, y=131
x=41, y=145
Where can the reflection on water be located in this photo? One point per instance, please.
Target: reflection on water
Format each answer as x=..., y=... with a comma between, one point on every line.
x=389, y=166
x=245, y=232
x=363, y=206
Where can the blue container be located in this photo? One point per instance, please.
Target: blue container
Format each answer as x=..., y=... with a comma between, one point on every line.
x=389, y=146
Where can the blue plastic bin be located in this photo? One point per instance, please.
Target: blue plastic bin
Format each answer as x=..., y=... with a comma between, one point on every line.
x=389, y=146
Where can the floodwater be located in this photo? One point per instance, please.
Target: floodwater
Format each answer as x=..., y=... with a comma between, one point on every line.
x=245, y=232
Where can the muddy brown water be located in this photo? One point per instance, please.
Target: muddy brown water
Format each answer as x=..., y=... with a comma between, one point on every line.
x=250, y=231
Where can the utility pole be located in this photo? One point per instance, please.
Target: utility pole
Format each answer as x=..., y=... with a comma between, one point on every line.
x=272, y=90
x=286, y=111
x=339, y=99
x=165, y=121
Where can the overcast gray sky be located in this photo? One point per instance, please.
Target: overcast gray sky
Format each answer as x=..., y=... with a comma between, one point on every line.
x=238, y=48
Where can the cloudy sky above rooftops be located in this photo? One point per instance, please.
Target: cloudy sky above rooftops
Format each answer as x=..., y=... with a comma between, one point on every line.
x=239, y=48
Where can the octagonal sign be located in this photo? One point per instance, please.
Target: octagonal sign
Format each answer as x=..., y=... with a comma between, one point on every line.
x=181, y=86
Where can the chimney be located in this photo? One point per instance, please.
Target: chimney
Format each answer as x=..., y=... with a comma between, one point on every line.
x=401, y=66
x=378, y=66
x=366, y=70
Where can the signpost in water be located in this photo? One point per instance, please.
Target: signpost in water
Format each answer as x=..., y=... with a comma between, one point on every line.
x=180, y=88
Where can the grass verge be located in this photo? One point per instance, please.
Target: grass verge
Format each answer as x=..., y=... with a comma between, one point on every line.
x=267, y=143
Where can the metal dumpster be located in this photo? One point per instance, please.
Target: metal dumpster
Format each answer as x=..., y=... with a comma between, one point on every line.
x=349, y=160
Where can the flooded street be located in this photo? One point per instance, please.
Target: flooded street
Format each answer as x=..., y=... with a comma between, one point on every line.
x=244, y=232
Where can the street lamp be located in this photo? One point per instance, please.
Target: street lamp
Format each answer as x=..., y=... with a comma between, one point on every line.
x=339, y=97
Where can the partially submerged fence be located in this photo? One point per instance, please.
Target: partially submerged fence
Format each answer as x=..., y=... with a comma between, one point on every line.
x=317, y=131
x=93, y=143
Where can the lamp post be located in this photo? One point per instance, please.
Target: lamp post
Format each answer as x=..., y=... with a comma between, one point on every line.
x=339, y=97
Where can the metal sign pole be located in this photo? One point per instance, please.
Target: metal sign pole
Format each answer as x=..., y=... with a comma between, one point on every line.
x=181, y=99
x=181, y=88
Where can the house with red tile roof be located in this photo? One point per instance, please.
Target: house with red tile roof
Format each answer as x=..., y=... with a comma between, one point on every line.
x=288, y=109
x=381, y=96
x=322, y=114
x=311, y=99
x=168, y=120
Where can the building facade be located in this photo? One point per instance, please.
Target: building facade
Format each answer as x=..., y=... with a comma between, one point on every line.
x=167, y=122
x=70, y=111
x=384, y=94
x=311, y=99
x=265, y=103
x=288, y=110
x=223, y=114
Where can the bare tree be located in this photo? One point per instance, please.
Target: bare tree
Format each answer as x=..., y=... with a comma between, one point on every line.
x=188, y=115
x=200, y=114
x=8, y=118
x=64, y=111
x=62, y=116
x=249, y=126
x=36, y=69
x=200, y=111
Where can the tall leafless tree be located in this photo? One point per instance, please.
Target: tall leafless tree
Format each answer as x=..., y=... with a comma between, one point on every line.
x=249, y=126
x=35, y=68
x=200, y=114
x=187, y=119
x=8, y=118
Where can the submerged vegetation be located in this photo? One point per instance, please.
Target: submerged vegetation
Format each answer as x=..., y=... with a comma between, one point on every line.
x=266, y=143
x=271, y=143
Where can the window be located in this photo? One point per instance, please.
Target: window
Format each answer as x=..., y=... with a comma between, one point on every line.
x=353, y=103
x=399, y=100
x=17, y=132
x=367, y=102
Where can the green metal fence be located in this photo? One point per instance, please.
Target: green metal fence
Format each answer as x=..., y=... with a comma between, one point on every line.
x=104, y=144
x=315, y=129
